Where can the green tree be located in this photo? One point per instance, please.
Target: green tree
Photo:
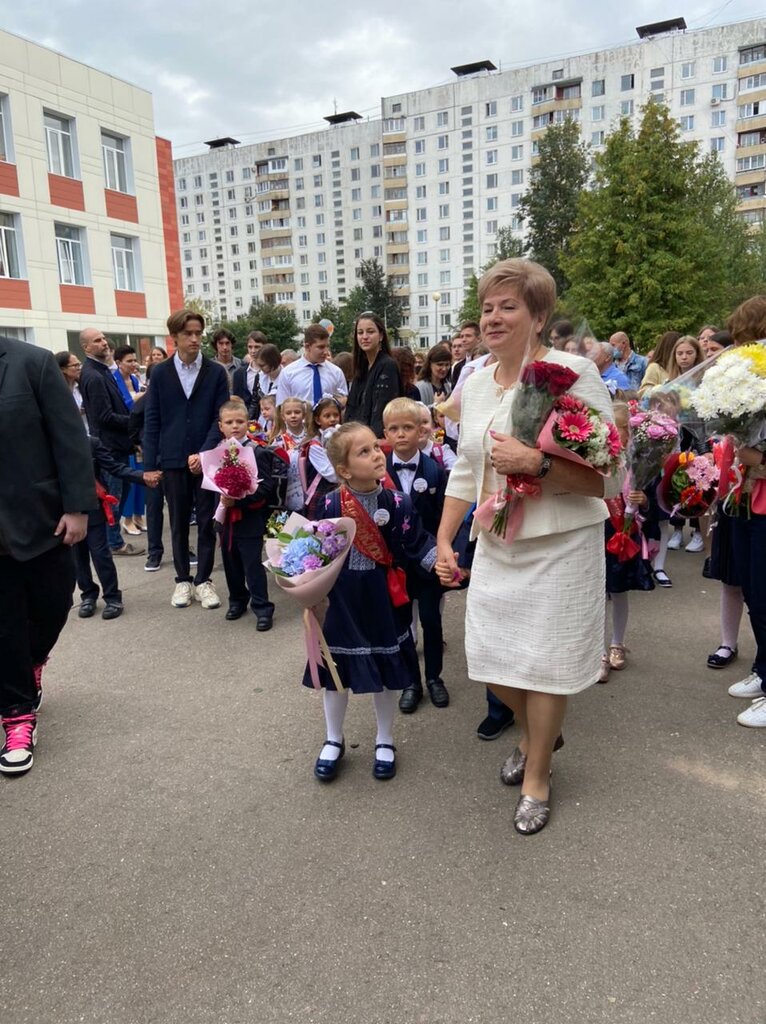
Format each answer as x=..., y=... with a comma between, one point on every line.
x=650, y=250
x=278, y=323
x=379, y=296
x=338, y=316
x=207, y=308
x=508, y=246
x=549, y=206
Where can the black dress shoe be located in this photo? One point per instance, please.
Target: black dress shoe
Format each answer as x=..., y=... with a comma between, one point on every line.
x=410, y=698
x=383, y=770
x=113, y=610
x=326, y=771
x=722, y=660
x=265, y=622
x=491, y=728
x=236, y=611
x=87, y=609
x=438, y=692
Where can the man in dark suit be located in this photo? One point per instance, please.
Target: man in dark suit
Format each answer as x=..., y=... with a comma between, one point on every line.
x=47, y=490
x=181, y=420
x=108, y=419
x=470, y=336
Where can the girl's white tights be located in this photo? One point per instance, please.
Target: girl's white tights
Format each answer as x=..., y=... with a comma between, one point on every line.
x=732, y=604
x=666, y=530
x=619, y=603
x=335, y=705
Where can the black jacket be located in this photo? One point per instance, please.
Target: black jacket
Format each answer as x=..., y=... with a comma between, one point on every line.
x=104, y=462
x=175, y=426
x=104, y=407
x=428, y=500
x=370, y=394
x=45, y=461
x=239, y=389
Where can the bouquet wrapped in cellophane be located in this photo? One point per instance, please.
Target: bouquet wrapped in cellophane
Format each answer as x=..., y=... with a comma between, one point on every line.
x=229, y=469
x=305, y=559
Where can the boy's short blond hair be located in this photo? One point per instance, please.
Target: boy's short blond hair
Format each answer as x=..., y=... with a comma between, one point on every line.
x=231, y=404
x=402, y=407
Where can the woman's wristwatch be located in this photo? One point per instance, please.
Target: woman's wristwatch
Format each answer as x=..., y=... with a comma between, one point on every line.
x=545, y=466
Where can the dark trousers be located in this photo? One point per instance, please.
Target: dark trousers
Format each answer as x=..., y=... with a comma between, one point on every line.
x=95, y=547
x=119, y=489
x=428, y=593
x=245, y=574
x=749, y=546
x=184, y=492
x=35, y=598
x=495, y=707
x=155, y=516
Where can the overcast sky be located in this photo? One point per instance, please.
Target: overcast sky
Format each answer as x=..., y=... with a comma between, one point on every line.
x=259, y=70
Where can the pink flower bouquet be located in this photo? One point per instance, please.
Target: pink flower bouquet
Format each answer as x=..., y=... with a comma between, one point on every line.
x=305, y=560
x=229, y=469
x=576, y=432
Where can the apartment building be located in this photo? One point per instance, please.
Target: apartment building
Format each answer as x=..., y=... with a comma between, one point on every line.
x=88, y=228
x=426, y=187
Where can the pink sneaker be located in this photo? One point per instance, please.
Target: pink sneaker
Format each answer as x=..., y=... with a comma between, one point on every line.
x=20, y=739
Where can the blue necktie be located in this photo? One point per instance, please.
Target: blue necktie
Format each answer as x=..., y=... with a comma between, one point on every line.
x=317, y=383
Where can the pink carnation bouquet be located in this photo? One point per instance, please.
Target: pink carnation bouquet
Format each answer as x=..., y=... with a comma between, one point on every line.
x=229, y=469
x=305, y=559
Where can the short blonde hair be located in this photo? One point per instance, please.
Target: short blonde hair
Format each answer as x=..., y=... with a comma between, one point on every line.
x=231, y=404
x=532, y=281
x=402, y=407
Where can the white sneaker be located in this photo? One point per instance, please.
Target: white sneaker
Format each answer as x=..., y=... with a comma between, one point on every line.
x=696, y=543
x=747, y=688
x=206, y=595
x=676, y=540
x=183, y=595
x=755, y=715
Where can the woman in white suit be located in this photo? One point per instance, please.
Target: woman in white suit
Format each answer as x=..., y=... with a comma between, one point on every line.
x=535, y=608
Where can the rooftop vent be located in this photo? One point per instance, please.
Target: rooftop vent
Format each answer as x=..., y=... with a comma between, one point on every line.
x=348, y=115
x=222, y=143
x=661, y=28
x=462, y=70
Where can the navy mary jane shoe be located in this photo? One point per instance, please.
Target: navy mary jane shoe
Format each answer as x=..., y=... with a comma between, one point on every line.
x=326, y=771
x=383, y=770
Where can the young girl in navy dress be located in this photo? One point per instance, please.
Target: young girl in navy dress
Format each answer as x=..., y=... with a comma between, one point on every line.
x=290, y=434
x=317, y=474
x=622, y=576
x=367, y=625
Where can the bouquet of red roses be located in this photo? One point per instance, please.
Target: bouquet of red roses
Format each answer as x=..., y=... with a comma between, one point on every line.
x=229, y=469
x=539, y=385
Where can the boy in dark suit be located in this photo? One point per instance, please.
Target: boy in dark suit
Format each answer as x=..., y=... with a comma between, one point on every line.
x=424, y=480
x=95, y=545
x=245, y=527
x=181, y=419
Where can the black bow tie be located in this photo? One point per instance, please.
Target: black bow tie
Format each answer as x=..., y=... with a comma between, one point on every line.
x=406, y=465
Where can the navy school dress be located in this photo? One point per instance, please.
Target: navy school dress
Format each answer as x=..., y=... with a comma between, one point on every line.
x=369, y=639
x=633, y=574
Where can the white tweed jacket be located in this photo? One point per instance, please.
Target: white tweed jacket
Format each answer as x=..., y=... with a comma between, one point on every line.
x=484, y=407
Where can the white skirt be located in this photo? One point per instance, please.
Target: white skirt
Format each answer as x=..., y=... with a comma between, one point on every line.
x=535, y=611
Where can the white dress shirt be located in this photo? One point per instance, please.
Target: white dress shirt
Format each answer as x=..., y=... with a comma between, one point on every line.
x=266, y=384
x=252, y=373
x=297, y=381
x=406, y=476
x=187, y=372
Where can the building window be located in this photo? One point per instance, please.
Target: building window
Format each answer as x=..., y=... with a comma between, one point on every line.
x=517, y=104
x=444, y=235
x=59, y=140
x=752, y=54
x=442, y=119
x=627, y=82
x=125, y=263
x=687, y=69
x=598, y=113
x=598, y=87
x=686, y=123
x=721, y=92
x=422, y=236
x=442, y=142
x=444, y=166
x=517, y=152
x=517, y=177
x=720, y=65
x=70, y=249
x=444, y=211
x=491, y=133
x=687, y=97
x=718, y=119
x=419, y=124
x=626, y=108
x=492, y=204
x=597, y=138
x=717, y=144
x=420, y=147
x=10, y=262
x=490, y=109
x=420, y=192
x=491, y=156
x=517, y=128
x=6, y=136
x=492, y=181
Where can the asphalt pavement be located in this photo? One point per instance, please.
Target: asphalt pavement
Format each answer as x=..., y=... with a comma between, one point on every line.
x=171, y=860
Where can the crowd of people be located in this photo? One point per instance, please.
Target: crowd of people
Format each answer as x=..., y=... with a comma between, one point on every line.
x=408, y=445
